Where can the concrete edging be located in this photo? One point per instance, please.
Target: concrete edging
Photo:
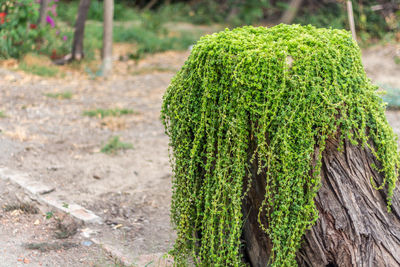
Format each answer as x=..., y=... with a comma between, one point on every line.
x=39, y=192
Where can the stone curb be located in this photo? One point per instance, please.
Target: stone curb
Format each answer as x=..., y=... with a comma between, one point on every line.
x=38, y=191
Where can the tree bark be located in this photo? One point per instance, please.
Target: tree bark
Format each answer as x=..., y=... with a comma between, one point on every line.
x=354, y=227
x=77, y=45
x=107, y=36
x=42, y=12
x=290, y=13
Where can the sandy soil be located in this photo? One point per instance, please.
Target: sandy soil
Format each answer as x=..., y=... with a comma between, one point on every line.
x=381, y=68
x=29, y=239
x=52, y=141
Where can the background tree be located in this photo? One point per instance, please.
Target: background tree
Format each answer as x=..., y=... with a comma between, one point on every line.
x=77, y=45
x=290, y=13
x=42, y=12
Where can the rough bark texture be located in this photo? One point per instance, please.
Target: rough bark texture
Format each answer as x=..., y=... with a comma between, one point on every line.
x=354, y=227
x=77, y=45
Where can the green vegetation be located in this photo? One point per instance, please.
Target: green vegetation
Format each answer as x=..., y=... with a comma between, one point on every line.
x=114, y=145
x=122, y=12
x=397, y=60
x=369, y=23
x=391, y=96
x=62, y=95
x=151, y=42
x=39, y=70
x=107, y=112
x=49, y=215
x=270, y=97
x=2, y=114
x=19, y=33
x=15, y=36
x=148, y=40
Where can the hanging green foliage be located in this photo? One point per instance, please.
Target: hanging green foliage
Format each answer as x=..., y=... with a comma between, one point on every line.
x=286, y=89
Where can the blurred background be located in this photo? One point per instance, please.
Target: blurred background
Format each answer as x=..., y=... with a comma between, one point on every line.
x=160, y=25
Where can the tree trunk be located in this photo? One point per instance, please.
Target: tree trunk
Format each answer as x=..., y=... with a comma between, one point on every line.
x=354, y=227
x=42, y=12
x=290, y=13
x=150, y=4
x=351, y=19
x=77, y=45
x=107, y=36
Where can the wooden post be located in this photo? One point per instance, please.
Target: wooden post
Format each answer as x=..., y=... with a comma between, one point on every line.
x=351, y=19
x=107, y=37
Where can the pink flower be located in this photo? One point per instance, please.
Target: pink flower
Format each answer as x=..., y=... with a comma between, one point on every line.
x=53, y=9
x=65, y=38
x=50, y=21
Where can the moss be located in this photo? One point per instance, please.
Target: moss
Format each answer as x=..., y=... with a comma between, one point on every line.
x=287, y=89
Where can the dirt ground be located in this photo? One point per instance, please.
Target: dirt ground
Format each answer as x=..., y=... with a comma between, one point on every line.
x=53, y=142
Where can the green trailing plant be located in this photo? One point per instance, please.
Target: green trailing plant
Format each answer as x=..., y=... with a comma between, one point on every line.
x=270, y=96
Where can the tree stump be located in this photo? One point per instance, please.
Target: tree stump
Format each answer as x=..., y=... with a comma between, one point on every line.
x=289, y=111
x=354, y=227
